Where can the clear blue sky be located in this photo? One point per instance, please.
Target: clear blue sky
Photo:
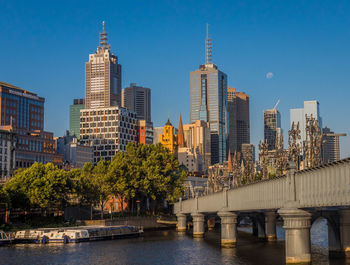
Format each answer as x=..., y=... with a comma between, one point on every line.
x=305, y=44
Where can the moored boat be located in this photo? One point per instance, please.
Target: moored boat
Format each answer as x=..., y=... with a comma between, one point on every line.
x=4, y=238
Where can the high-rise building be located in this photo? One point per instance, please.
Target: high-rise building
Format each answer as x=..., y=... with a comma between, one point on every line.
x=272, y=127
x=74, y=116
x=145, y=132
x=138, y=99
x=209, y=103
x=168, y=138
x=103, y=77
x=108, y=130
x=298, y=115
x=330, y=145
x=24, y=112
x=157, y=131
x=239, y=128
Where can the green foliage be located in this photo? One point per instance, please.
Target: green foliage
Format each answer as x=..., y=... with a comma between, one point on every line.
x=143, y=171
x=40, y=186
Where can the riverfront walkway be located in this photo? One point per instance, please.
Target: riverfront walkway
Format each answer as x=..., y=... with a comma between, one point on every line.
x=298, y=197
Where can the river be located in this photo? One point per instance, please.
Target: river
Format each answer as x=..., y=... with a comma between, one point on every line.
x=167, y=247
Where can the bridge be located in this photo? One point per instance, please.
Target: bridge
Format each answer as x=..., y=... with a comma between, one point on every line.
x=299, y=198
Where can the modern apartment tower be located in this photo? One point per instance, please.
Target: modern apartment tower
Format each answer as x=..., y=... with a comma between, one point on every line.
x=209, y=103
x=138, y=99
x=239, y=126
x=298, y=115
x=272, y=127
x=103, y=77
x=74, y=116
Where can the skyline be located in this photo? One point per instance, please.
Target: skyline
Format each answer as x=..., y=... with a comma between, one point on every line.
x=258, y=66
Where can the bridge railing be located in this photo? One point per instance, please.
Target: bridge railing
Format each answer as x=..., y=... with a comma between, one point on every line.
x=327, y=185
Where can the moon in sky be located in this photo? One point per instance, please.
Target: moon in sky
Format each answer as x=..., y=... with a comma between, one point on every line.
x=269, y=75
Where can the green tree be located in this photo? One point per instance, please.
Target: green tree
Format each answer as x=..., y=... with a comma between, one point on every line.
x=101, y=184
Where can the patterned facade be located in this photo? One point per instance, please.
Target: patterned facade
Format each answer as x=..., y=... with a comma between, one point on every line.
x=272, y=127
x=8, y=140
x=108, y=130
x=145, y=132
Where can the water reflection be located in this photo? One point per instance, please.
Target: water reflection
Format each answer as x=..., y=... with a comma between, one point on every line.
x=169, y=247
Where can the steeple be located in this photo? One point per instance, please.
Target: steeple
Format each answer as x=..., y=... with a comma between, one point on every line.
x=229, y=162
x=104, y=38
x=180, y=134
x=208, y=45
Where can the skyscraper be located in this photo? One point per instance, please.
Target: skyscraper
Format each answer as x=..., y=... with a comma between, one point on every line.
x=239, y=128
x=74, y=117
x=272, y=127
x=209, y=103
x=330, y=145
x=138, y=99
x=103, y=77
x=298, y=115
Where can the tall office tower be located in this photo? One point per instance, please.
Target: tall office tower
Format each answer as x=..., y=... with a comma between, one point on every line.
x=138, y=99
x=23, y=111
x=272, y=127
x=103, y=77
x=209, y=103
x=330, y=145
x=74, y=116
x=239, y=128
x=298, y=115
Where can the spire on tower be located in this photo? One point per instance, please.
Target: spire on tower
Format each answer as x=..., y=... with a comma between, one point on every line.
x=180, y=134
x=104, y=38
x=208, y=45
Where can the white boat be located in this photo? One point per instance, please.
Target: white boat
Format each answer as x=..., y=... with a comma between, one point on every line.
x=4, y=238
x=66, y=236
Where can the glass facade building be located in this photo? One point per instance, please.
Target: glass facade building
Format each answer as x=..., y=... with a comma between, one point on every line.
x=74, y=117
x=272, y=127
x=209, y=104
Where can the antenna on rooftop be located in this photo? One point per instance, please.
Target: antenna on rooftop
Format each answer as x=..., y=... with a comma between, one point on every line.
x=278, y=101
x=208, y=46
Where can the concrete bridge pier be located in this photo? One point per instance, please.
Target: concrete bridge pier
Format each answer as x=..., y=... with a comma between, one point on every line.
x=345, y=231
x=228, y=229
x=181, y=222
x=297, y=226
x=198, y=224
x=270, y=226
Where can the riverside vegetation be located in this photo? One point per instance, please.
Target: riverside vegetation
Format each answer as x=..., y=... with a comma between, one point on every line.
x=143, y=172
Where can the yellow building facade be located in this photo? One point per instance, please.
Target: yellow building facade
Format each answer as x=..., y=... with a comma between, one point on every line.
x=168, y=138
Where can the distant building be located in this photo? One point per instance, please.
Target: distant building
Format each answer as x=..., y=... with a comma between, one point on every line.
x=298, y=115
x=272, y=127
x=209, y=104
x=108, y=130
x=245, y=148
x=8, y=140
x=239, y=125
x=157, y=131
x=330, y=146
x=138, y=99
x=196, y=138
x=103, y=77
x=74, y=153
x=190, y=158
x=168, y=138
x=24, y=112
x=74, y=117
x=145, y=132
